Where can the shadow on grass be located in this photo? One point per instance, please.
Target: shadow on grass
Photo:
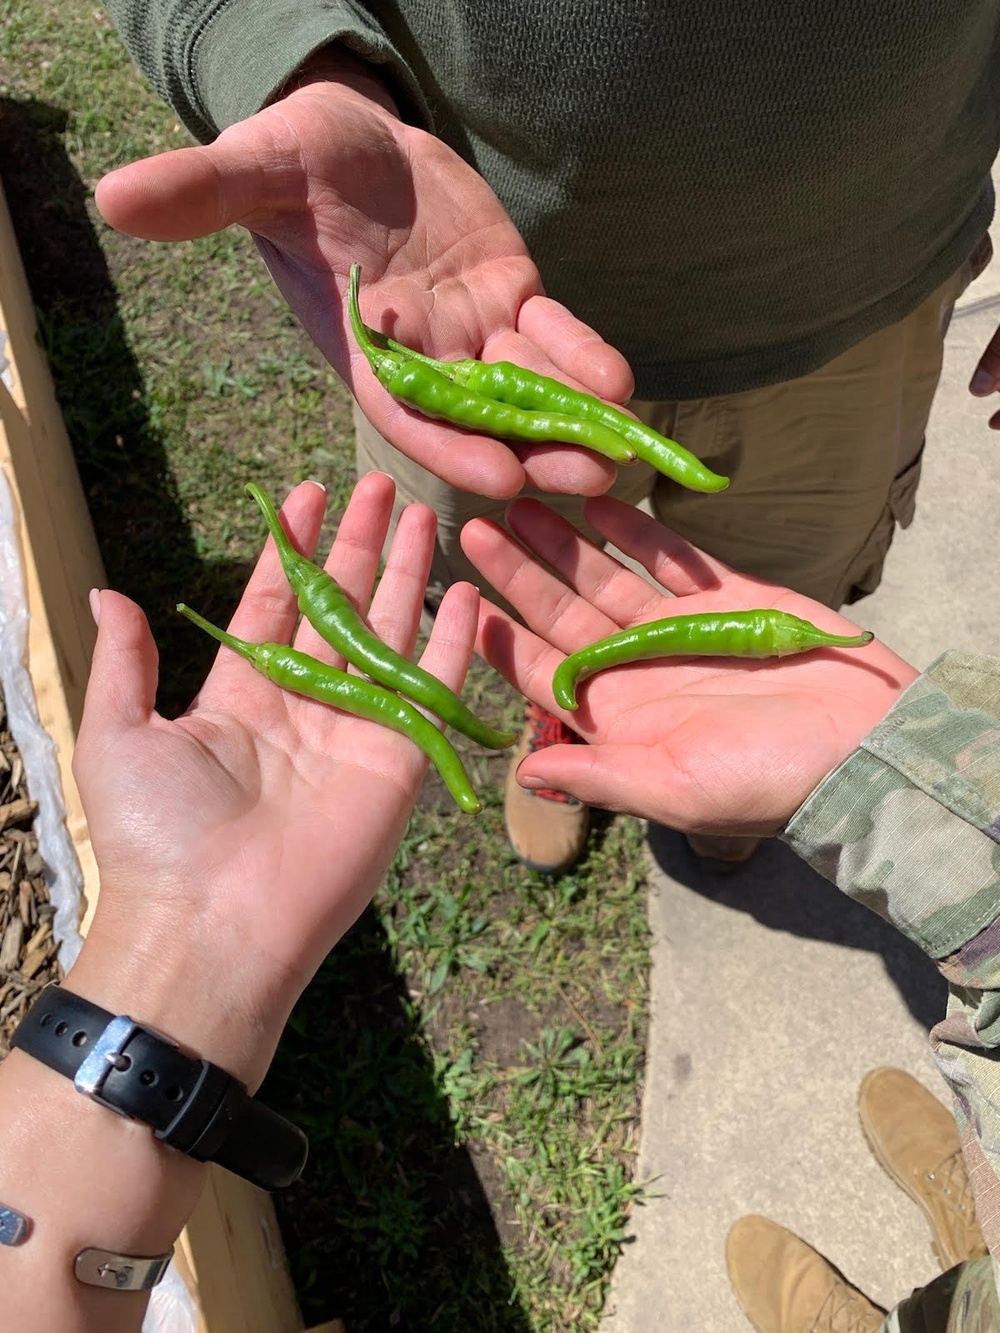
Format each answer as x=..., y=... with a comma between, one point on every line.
x=390, y=1228
x=145, y=540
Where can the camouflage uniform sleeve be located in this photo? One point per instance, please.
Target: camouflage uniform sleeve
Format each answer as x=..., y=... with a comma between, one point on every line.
x=909, y=825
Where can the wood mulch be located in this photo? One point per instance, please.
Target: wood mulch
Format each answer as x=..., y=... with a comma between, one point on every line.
x=27, y=947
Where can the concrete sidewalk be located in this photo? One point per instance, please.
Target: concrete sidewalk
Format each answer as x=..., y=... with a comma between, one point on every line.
x=772, y=994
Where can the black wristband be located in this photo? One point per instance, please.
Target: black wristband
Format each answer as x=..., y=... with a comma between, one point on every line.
x=191, y=1104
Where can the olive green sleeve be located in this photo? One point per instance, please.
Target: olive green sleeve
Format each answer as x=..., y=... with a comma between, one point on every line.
x=216, y=63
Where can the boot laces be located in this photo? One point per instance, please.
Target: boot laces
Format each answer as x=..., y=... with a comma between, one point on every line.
x=546, y=730
x=846, y=1311
x=951, y=1180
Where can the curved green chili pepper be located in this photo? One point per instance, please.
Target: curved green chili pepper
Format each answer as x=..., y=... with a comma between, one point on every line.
x=417, y=381
x=510, y=383
x=299, y=672
x=328, y=609
x=763, y=633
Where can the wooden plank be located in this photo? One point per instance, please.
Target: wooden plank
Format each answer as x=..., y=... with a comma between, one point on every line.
x=234, y=1249
x=49, y=650
x=59, y=551
x=231, y=1255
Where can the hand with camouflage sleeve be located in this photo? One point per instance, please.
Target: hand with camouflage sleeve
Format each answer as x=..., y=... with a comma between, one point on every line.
x=708, y=745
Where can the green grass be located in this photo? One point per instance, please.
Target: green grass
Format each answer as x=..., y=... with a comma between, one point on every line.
x=468, y=1062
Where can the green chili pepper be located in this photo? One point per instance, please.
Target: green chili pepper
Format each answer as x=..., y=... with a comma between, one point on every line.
x=510, y=383
x=299, y=672
x=328, y=609
x=415, y=380
x=505, y=382
x=764, y=633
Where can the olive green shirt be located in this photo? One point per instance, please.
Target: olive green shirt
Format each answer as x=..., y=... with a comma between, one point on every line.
x=731, y=194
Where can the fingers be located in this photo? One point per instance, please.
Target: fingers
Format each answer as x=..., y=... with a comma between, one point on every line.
x=449, y=649
x=469, y=462
x=619, y=593
x=354, y=557
x=563, y=469
x=575, y=349
x=394, y=611
x=397, y=603
x=611, y=777
x=121, y=691
x=480, y=464
x=673, y=562
x=524, y=659
x=399, y=598
x=267, y=611
x=986, y=377
x=547, y=605
x=607, y=595
x=179, y=195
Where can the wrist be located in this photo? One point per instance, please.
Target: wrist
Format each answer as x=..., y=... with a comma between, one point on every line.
x=183, y=990
x=343, y=70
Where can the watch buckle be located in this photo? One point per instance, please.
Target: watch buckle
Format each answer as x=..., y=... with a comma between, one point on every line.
x=108, y=1050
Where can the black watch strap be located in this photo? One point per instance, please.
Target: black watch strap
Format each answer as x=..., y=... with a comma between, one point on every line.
x=191, y=1104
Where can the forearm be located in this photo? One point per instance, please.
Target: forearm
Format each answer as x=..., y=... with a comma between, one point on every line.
x=85, y=1178
x=88, y=1178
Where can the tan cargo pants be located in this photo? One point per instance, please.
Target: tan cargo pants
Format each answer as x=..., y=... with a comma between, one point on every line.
x=823, y=467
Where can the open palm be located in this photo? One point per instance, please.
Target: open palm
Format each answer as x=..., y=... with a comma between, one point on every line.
x=704, y=745
x=327, y=177
x=253, y=830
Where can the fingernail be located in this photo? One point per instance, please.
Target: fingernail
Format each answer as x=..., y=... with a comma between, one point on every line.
x=982, y=383
x=94, y=597
x=313, y=482
x=532, y=783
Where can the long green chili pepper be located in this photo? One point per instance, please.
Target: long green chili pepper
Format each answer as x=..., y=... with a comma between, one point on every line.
x=505, y=382
x=763, y=633
x=328, y=609
x=299, y=672
x=415, y=380
x=510, y=383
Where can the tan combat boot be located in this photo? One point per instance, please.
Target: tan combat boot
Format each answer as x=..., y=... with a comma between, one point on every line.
x=547, y=829
x=915, y=1140
x=785, y=1286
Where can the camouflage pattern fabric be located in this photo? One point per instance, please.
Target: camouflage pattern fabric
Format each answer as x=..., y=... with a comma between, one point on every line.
x=963, y=1300
x=909, y=825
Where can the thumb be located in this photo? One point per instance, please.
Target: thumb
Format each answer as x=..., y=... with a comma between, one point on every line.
x=182, y=194
x=606, y=776
x=121, y=691
x=986, y=377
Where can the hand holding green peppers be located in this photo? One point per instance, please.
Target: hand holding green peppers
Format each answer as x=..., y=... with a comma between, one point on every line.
x=302, y=674
x=330, y=612
x=511, y=402
x=698, y=743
